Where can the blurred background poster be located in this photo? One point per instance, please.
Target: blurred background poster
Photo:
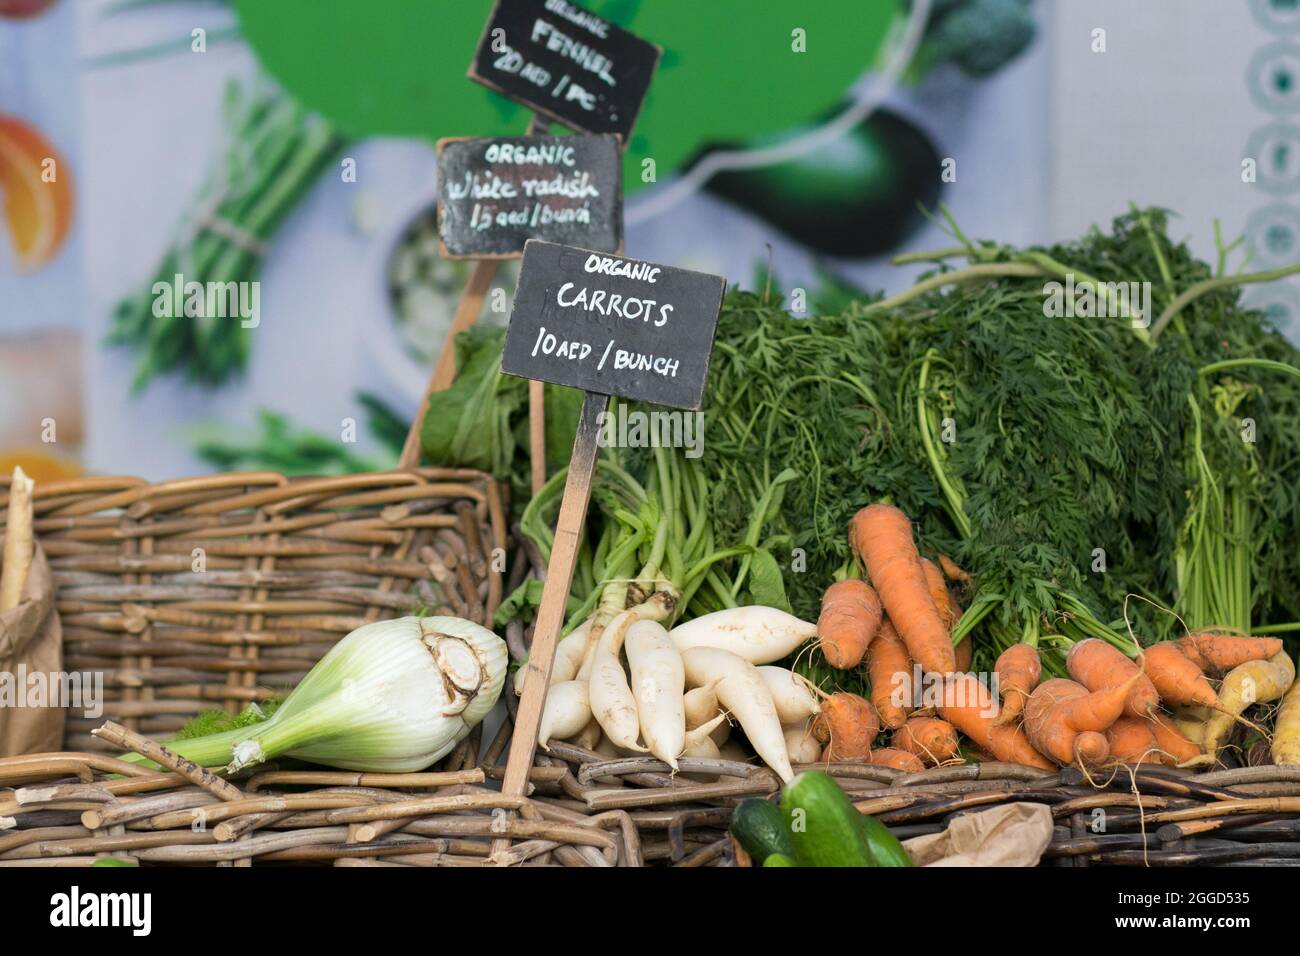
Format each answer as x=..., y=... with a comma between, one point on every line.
x=285, y=147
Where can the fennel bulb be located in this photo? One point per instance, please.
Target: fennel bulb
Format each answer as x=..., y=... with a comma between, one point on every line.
x=392, y=696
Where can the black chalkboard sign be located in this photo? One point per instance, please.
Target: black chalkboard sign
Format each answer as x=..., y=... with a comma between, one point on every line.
x=612, y=325
x=495, y=194
x=564, y=62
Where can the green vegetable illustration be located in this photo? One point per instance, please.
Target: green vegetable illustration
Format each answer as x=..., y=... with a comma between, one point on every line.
x=858, y=196
x=729, y=70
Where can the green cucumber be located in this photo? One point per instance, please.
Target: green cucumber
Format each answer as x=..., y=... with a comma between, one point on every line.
x=779, y=859
x=884, y=846
x=823, y=824
x=761, y=829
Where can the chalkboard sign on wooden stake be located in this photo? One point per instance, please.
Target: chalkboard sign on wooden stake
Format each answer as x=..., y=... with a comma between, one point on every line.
x=444, y=370
x=561, y=40
x=608, y=336
x=497, y=192
x=565, y=62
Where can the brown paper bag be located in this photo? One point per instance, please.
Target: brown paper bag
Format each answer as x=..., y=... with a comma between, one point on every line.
x=31, y=642
x=1012, y=835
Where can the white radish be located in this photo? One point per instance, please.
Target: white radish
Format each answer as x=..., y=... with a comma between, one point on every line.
x=743, y=692
x=699, y=743
x=612, y=703
x=655, y=608
x=757, y=634
x=722, y=732
x=568, y=658
x=791, y=693
x=658, y=686
x=566, y=711
x=701, y=739
x=589, y=736
x=701, y=707
x=732, y=750
x=801, y=745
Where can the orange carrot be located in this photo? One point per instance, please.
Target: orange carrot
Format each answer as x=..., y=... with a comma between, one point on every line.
x=847, y=725
x=881, y=535
x=898, y=759
x=1222, y=652
x=931, y=739
x=964, y=652
x=949, y=612
x=1045, y=698
x=1065, y=721
x=1018, y=668
x=1177, y=680
x=1172, y=740
x=967, y=705
x=1133, y=741
x=940, y=594
x=951, y=571
x=890, y=670
x=1099, y=709
x=1098, y=666
x=850, y=618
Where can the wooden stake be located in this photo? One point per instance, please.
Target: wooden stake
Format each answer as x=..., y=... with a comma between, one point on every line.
x=555, y=597
x=537, y=433
x=536, y=390
x=18, y=541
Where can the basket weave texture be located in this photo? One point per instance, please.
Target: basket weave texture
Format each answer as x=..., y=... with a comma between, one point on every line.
x=219, y=591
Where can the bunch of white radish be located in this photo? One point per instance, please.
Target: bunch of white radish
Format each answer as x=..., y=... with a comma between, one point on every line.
x=685, y=684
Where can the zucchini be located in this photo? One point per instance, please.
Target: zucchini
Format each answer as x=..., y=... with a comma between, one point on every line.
x=884, y=846
x=761, y=829
x=779, y=859
x=823, y=824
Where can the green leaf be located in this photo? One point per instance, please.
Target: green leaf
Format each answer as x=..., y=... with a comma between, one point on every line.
x=468, y=424
x=523, y=602
x=520, y=604
x=563, y=406
x=388, y=428
x=766, y=586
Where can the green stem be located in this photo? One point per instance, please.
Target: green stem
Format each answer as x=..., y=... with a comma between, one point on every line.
x=1228, y=364
x=1051, y=266
x=934, y=255
x=992, y=270
x=1195, y=291
x=950, y=493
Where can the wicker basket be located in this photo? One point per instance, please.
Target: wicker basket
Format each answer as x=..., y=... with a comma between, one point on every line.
x=68, y=809
x=1131, y=817
x=223, y=590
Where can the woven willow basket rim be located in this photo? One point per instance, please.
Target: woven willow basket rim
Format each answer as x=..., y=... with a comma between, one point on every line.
x=285, y=567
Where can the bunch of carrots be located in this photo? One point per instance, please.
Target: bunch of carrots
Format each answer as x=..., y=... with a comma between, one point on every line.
x=1158, y=706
